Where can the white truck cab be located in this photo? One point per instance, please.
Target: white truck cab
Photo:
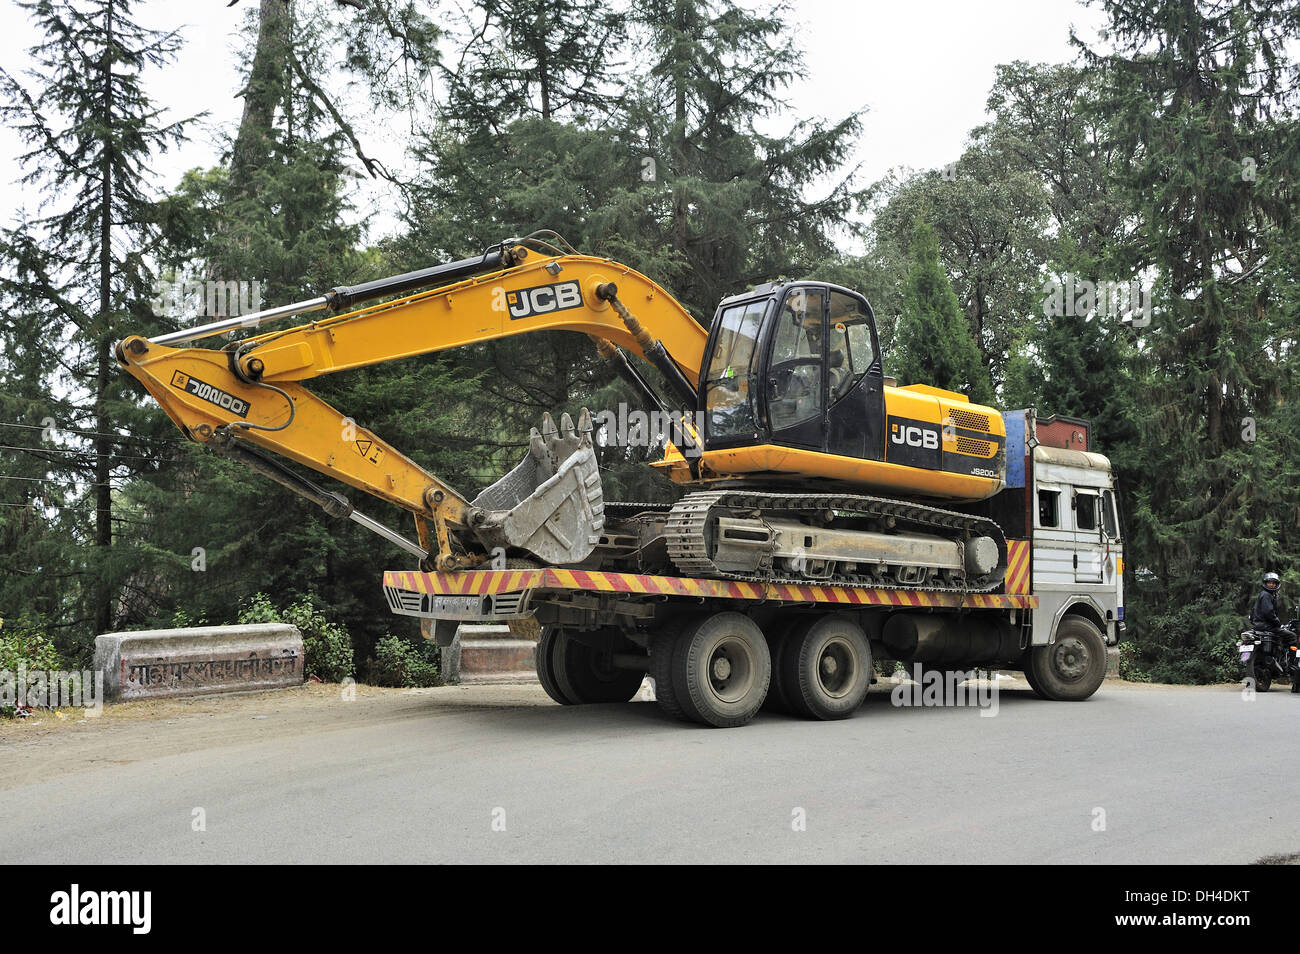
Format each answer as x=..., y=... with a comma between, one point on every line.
x=1077, y=552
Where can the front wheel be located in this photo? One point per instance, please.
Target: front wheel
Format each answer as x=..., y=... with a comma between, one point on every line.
x=1071, y=668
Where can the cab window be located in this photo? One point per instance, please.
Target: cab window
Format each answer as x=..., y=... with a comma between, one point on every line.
x=729, y=386
x=795, y=371
x=1049, y=508
x=1109, y=523
x=1085, y=511
x=849, y=352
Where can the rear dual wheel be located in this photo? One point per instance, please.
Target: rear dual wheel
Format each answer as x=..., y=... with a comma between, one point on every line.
x=824, y=668
x=720, y=669
x=712, y=669
x=580, y=670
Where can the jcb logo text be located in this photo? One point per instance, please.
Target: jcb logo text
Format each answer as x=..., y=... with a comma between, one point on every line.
x=915, y=437
x=544, y=299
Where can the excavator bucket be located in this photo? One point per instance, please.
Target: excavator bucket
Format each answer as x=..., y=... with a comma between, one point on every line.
x=552, y=503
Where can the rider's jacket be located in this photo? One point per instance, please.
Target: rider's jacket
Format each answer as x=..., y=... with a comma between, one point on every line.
x=1263, y=613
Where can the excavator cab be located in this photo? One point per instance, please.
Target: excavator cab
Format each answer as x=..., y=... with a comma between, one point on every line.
x=795, y=365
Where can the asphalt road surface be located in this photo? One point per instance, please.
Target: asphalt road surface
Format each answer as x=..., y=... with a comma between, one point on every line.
x=501, y=774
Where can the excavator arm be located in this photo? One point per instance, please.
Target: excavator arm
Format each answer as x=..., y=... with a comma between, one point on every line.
x=253, y=392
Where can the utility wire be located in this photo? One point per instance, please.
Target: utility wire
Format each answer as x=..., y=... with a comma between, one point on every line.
x=116, y=437
x=69, y=450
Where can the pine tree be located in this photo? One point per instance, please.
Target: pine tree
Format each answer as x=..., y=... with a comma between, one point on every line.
x=81, y=267
x=934, y=343
x=1201, y=104
x=549, y=59
x=735, y=200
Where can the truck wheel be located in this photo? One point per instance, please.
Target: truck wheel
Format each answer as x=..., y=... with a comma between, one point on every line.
x=545, y=656
x=1028, y=672
x=1071, y=668
x=587, y=674
x=826, y=668
x=721, y=670
x=662, y=646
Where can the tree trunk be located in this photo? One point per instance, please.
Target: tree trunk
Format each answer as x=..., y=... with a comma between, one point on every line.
x=265, y=91
x=102, y=341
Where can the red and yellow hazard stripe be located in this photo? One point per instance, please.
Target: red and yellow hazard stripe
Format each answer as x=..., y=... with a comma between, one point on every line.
x=1017, y=567
x=482, y=582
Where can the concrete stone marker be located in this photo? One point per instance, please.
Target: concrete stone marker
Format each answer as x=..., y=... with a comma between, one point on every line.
x=486, y=654
x=199, y=660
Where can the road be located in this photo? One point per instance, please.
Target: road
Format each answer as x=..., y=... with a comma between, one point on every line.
x=501, y=774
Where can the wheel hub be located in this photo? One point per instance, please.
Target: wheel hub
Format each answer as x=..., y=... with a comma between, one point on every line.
x=837, y=668
x=1070, y=659
x=721, y=667
x=731, y=669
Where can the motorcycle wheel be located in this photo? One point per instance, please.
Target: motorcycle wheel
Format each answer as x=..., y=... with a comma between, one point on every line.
x=1263, y=679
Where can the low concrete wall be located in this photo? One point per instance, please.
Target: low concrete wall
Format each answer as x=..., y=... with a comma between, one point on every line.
x=202, y=659
x=488, y=653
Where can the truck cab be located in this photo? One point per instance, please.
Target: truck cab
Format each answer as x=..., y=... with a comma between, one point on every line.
x=1076, y=545
x=1061, y=517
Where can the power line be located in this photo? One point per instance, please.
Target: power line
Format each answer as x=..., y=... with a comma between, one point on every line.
x=116, y=437
x=68, y=450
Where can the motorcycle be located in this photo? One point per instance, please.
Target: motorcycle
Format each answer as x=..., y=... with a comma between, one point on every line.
x=1267, y=656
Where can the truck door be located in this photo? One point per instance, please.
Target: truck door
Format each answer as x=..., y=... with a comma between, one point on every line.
x=1053, y=552
x=1089, y=546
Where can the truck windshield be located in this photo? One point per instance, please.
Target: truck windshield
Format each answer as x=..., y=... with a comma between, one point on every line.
x=731, y=382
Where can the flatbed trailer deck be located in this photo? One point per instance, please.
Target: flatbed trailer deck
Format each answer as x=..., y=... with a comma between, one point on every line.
x=478, y=592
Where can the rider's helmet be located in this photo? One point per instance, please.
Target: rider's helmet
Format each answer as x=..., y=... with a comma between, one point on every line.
x=1272, y=582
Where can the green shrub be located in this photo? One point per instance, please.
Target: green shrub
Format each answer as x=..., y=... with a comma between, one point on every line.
x=327, y=647
x=1130, y=665
x=885, y=668
x=183, y=620
x=400, y=663
x=26, y=645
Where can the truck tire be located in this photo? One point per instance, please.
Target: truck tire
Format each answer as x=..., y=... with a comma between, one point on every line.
x=1071, y=667
x=826, y=668
x=587, y=675
x=1031, y=678
x=721, y=670
x=545, y=663
x=662, y=646
x=777, y=641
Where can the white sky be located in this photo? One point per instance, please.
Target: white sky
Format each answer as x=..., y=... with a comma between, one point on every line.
x=923, y=68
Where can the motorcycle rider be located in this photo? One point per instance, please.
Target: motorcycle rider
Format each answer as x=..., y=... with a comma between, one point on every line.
x=1264, y=617
x=1264, y=613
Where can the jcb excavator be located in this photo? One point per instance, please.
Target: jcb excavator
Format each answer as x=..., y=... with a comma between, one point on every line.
x=810, y=464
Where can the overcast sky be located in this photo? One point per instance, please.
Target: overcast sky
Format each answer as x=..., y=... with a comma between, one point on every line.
x=922, y=68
